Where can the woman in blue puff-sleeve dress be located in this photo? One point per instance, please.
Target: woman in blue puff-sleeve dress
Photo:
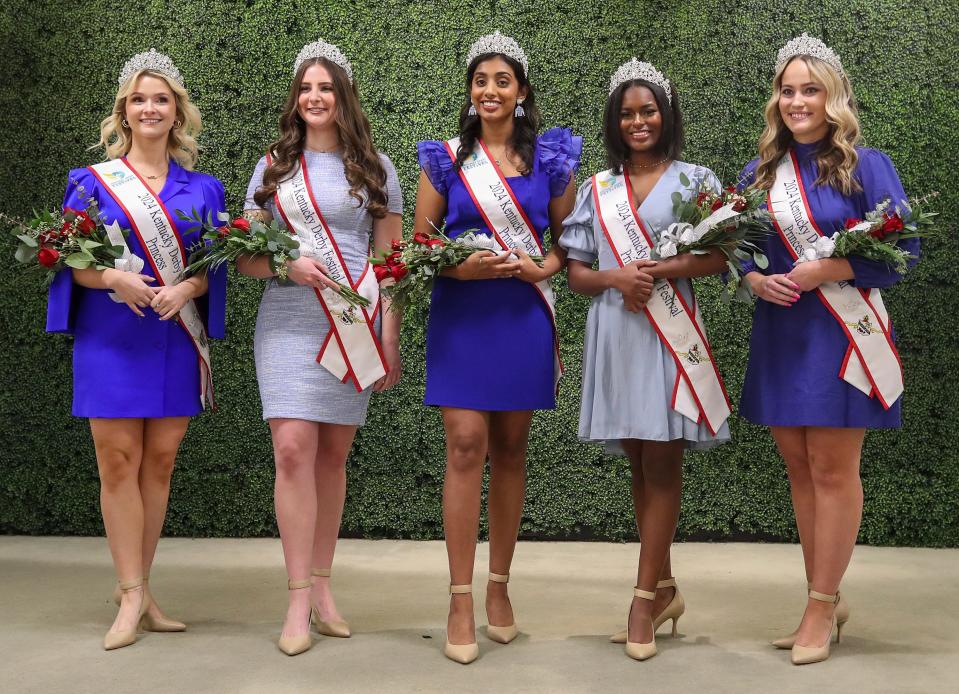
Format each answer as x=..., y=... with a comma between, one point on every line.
x=137, y=374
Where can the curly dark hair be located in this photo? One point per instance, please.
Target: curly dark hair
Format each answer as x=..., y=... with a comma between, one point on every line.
x=523, y=141
x=361, y=164
x=671, y=138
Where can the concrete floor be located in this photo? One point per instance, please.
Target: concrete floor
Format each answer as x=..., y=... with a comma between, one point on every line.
x=54, y=608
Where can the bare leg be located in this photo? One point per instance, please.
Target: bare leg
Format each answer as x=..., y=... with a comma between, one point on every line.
x=295, y=445
x=662, y=464
x=161, y=441
x=335, y=441
x=119, y=449
x=663, y=595
x=791, y=442
x=834, y=456
x=509, y=436
x=467, y=434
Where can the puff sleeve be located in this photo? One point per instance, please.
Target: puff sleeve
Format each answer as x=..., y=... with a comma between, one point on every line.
x=559, y=152
x=578, y=238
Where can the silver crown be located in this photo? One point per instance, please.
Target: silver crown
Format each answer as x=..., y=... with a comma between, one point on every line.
x=322, y=49
x=154, y=61
x=809, y=45
x=637, y=70
x=498, y=43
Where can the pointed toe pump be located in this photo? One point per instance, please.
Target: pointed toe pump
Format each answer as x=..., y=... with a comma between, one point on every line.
x=805, y=655
x=338, y=628
x=463, y=653
x=674, y=610
x=119, y=639
x=842, y=616
x=634, y=649
x=498, y=633
x=294, y=645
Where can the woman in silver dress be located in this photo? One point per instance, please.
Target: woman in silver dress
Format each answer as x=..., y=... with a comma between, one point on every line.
x=630, y=378
x=324, y=180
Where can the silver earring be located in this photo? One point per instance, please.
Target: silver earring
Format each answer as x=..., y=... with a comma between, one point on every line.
x=519, y=111
x=124, y=123
x=472, y=111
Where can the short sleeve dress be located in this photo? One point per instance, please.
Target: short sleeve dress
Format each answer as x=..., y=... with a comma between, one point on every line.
x=124, y=365
x=796, y=353
x=489, y=343
x=291, y=326
x=628, y=373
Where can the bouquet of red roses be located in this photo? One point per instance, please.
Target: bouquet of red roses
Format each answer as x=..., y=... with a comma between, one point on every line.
x=231, y=239
x=876, y=236
x=414, y=265
x=54, y=240
x=732, y=221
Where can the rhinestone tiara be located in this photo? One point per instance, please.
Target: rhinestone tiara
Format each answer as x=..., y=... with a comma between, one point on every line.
x=154, y=61
x=322, y=49
x=498, y=43
x=811, y=46
x=637, y=70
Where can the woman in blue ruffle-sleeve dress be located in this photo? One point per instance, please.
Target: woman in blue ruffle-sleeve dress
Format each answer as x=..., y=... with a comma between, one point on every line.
x=490, y=338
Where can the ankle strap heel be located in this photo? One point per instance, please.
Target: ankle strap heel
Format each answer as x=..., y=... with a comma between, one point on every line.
x=322, y=573
x=299, y=585
x=823, y=597
x=498, y=578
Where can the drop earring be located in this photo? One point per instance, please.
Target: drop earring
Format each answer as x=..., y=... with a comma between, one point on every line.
x=472, y=111
x=519, y=111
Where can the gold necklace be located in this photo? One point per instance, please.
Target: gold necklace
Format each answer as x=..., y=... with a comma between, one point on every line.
x=647, y=166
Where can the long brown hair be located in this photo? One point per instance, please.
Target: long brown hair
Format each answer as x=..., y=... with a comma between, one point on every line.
x=363, y=168
x=836, y=157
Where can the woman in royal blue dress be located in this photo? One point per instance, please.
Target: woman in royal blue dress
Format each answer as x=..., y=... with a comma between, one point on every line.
x=499, y=304
x=804, y=349
x=141, y=365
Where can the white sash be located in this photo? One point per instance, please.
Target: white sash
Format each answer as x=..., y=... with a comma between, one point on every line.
x=872, y=363
x=356, y=354
x=507, y=221
x=699, y=392
x=161, y=242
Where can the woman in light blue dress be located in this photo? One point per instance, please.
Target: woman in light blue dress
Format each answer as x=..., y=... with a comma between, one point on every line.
x=629, y=374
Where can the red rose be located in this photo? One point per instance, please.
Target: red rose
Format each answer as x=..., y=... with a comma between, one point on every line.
x=397, y=244
x=435, y=243
x=717, y=204
x=398, y=272
x=381, y=272
x=851, y=222
x=740, y=203
x=66, y=229
x=394, y=258
x=241, y=224
x=731, y=189
x=891, y=224
x=48, y=257
x=421, y=238
x=223, y=232
x=701, y=198
x=84, y=223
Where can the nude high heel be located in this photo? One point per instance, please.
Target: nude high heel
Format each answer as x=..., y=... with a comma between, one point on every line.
x=804, y=655
x=161, y=624
x=842, y=616
x=340, y=628
x=464, y=653
x=497, y=633
x=119, y=639
x=294, y=645
x=641, y=651
x=674, y=610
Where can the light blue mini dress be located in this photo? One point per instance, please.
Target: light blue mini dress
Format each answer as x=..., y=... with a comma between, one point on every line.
x=628, y=373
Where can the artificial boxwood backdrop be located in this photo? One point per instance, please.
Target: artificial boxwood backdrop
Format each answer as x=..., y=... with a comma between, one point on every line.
x=60, y=60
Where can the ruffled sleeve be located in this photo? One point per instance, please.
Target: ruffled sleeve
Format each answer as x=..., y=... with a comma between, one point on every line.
x=578, y=238
x=256, y=180
x=394, y=194
x=559, y=152
x=436, y=162
x=213, y=303
x=879, y=182
x=81, y=185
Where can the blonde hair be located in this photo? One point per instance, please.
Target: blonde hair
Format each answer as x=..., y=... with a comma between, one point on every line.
x=837, y=157
x=116, y=139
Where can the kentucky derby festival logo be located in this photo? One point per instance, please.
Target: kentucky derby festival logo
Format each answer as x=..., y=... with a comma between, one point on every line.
x=116, y=178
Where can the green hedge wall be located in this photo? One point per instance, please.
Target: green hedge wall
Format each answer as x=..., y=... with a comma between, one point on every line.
x=61, y=60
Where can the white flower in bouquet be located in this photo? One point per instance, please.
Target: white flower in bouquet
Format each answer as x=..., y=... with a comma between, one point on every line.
x=688, y=236
x=667, y=249
x=479, y=241
x=825, y=246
